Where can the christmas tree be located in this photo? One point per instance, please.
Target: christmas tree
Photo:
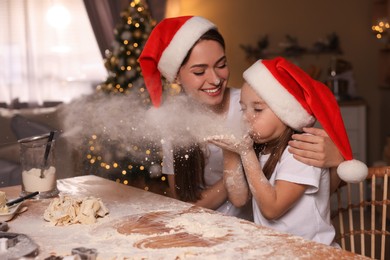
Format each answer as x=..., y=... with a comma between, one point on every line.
x=124, y=72
x=107, y=157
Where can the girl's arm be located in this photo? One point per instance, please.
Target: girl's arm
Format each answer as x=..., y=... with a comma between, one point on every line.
x=213, y=197
x=273, y=201
x=234, y=179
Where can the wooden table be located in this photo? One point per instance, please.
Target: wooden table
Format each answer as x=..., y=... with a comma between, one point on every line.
x=144, y=225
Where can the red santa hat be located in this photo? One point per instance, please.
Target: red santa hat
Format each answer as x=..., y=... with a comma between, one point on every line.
x=166, y=48
x=298, y=100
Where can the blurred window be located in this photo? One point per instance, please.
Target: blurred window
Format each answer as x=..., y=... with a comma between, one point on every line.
x=48, y=51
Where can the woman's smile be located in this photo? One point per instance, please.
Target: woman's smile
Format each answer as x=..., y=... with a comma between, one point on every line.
x=213, y=91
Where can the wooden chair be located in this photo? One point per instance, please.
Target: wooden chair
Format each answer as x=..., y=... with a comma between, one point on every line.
x=361, y=222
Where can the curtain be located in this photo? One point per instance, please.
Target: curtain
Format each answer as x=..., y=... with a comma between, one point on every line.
x=47, y=51
x=105, y=14
x=157, y=8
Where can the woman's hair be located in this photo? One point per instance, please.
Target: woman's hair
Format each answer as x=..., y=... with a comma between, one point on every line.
x=189, y=162
x=276, y=147
x=189, y=165
x=211, y=35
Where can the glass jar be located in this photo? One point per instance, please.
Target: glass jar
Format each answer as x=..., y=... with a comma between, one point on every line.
x=38, y=166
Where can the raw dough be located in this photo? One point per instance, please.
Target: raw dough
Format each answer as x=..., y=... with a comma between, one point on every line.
x=66, y=210
x=3, y=201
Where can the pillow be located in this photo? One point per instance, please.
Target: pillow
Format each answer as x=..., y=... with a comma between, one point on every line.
x=10, y=173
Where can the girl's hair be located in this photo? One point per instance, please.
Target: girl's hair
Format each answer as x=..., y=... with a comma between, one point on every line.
x=211, y=35
x=276, y=147
x=189, y=162
x=189, y=165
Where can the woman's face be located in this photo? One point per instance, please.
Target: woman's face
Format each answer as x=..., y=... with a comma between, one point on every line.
x=262, y=122
x=204, y=76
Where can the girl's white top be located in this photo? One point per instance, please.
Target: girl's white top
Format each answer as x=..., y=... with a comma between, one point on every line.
x=309, y=217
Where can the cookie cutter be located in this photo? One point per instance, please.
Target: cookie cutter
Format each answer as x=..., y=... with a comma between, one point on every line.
x=85, y=253
x=16, y=246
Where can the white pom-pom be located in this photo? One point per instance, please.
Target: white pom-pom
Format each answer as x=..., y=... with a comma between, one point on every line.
x=352, y=171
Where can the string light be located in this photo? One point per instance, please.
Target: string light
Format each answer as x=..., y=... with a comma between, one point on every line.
x=381, y=28
x=94, y=142
x=124, y=77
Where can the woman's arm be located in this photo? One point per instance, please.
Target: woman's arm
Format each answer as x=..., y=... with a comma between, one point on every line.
x=212, y=197
x=315, y=149
x=234, y=179
x=273, y=201
x=172, y=184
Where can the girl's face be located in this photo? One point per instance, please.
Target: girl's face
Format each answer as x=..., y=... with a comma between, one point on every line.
x=263, y=124
x=204, y=76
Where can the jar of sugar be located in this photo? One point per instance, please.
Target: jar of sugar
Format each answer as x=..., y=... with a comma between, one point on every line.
x=37, y=157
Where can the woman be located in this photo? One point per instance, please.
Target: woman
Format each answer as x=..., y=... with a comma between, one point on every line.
x=190, y=51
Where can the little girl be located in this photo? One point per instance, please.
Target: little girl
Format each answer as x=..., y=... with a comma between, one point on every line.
x=277, y=100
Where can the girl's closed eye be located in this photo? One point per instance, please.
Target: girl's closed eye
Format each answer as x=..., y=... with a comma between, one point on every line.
x=258, y=108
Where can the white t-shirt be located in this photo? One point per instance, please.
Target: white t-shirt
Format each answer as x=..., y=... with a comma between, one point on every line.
x=310, y=216
x=213, y=157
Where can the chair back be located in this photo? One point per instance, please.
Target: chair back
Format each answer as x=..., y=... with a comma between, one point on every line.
x=362, y=214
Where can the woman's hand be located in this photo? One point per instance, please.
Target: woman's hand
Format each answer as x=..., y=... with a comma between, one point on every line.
x=316, y=149
x=231, y=143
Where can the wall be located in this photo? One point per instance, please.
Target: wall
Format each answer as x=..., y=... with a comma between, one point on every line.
x=244, y=22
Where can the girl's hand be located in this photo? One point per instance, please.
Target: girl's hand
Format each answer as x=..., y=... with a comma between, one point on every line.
x=316, y=149
x=231, y=143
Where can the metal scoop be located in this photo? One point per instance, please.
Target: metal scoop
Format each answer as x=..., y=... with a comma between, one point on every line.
x=47, y=151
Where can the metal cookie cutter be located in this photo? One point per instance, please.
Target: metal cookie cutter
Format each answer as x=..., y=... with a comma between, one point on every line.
x=3, y=226
x=85, y=253
x=16, y=246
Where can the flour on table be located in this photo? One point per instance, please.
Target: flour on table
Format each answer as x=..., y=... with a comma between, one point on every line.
x=200, y=224
x=66, y=210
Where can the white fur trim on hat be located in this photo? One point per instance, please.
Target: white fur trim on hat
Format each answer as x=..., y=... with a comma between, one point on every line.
x=352, y=171
x=281, y=102
x=181, y=43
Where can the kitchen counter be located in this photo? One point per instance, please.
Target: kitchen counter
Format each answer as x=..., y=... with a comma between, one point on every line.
x=145, y=225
